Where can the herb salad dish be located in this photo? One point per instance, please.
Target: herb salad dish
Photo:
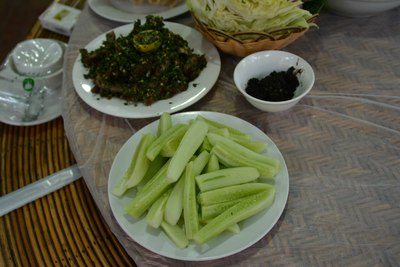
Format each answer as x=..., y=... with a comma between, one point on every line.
x=148, y=64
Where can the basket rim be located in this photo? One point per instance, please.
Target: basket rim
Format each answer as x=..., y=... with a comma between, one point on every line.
x=215, y=33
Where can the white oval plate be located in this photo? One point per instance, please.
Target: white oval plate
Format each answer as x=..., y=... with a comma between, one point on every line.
x=196, y=90
x=252, y=229
x=106, y=10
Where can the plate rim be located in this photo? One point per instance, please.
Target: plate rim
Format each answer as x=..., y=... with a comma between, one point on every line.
x=213, y=67
x=173, y=12
x=53, y=115
x=192, y=114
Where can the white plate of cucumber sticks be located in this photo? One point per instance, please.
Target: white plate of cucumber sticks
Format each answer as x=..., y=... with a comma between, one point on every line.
x=248, y=231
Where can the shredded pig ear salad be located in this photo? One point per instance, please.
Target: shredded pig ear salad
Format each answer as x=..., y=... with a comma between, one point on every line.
x=198, y=179
x=151, y=63
x=235, y=16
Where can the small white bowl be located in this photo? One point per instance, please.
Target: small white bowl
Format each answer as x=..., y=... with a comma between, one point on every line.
x=361, y=8
x=37, y=57
x=52, y=80
x=261, y=64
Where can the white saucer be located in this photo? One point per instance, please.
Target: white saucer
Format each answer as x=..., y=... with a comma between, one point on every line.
x=104, y=9
x=12, y=103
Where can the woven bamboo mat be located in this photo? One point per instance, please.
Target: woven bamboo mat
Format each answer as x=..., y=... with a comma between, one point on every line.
x=63, y=228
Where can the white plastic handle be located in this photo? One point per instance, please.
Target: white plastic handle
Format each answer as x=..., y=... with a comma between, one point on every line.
x=38, y=189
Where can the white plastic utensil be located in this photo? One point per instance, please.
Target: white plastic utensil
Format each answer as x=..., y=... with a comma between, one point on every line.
x=34, y=104
x=38, y=189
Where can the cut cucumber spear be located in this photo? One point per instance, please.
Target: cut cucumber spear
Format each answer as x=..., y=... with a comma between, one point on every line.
x=150, y=192
x=153, y=168
x=244, y=151
x=200, y=162
x=212, y=164
x=190, y=213
x=230, y=193
x=158, y=144
x=239, y=212
x=209, y=212
x=190, y=142
x=137, y=168
x=226, y=177
x=155, y=215
x=164, y=123
x=235, y=135
x=176, y=234
x=215, y=124
x=170, y=147
x=174, y=206
x=231, y=157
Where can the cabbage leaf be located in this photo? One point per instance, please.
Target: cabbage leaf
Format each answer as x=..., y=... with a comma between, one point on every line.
x=236, y=16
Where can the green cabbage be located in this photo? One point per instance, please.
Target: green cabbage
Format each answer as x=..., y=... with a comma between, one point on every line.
x=236, y=16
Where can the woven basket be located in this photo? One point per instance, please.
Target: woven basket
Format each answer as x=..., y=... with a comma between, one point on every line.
x=246, y=43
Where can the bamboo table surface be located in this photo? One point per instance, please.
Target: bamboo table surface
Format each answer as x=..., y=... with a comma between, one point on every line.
x=64, y=228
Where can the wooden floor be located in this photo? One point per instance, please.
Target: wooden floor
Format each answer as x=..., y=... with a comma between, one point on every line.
x=18, y=17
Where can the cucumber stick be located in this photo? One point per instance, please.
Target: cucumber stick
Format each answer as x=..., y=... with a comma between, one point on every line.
x=176, y=234
x=226, y=177
x=212, y=164
x=158, y=144
x=190, y=142
x=155, y=215
x=243, y=140
x=230, y=193
x=174, y=205
x=234, y=228
x=152, y=183
x=220, y=131
x=190, y=214
x=137, y=168
x=200, y=162
x=154, y=166
x=150, y=192
x=232, y=158
x=141, y=162
x=205, y=146
x=215, y=124
x=211, y=211
x=170, y=147
x=164, y=123
x=256, y=146
x=244, y=151
x=237, y=213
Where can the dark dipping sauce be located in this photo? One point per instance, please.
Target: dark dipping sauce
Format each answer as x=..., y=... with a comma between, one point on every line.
x=277, y=86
